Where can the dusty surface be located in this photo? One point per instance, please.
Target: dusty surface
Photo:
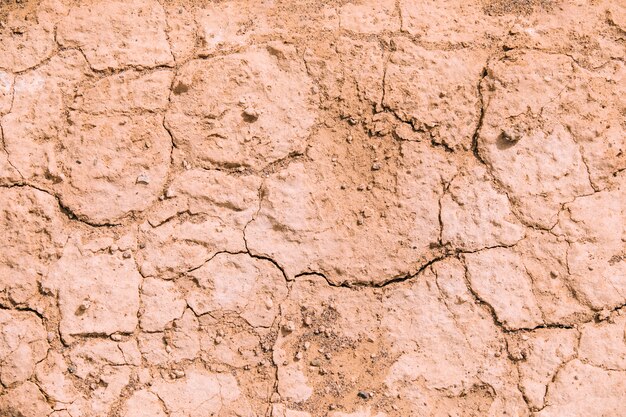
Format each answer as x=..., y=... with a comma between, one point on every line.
x=366, y=208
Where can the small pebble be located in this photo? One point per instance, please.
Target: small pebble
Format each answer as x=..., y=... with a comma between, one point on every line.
x=251, y=113
x=289, y=327
x=364, y=395
x=511, y=136
x=298, y=356
x=143, y=179
x=116, y=337
x=126, y=255
x=308, y=320
x=218, y=340
x=307, y=345
x=376, y=166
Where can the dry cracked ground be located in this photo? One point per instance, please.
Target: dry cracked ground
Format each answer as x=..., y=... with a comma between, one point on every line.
x=366, y=208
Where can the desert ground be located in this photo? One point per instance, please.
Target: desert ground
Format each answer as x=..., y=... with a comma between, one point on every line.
x=306, y=208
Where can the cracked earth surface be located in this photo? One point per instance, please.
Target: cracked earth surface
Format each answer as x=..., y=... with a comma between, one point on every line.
x=366, y=208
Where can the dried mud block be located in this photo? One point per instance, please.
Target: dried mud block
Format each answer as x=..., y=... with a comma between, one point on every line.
x=369, y=16
x=161, y=303
x=336, y=344
x=475, y=215
x=98, y=293
x=110, y=170
x=349, y=71
x=24, y=400
x=595, y=227
x=447, y=326
x=566, y=28
x=27, y=39
x=250, y=287
x=603, y=344
x=539, y=356
x=591, y=108
x=211, y=210
x=7, y=81
x=449, y=21
x=113, y=380
x=38, y=115
x=537, y=159
x=308, y=223
x=22, y=345
x=143, y=404
x=54, y=379
x=91, y=357
x=498, y=276
x=33, y=233
x=230, y=25
x=435, y=91
x=180, y=342
x=544, y=258
x=126, y=92
x=248, y=109
x=182, y=30
x=116, y=34
x=201, y=394
x=583, y=390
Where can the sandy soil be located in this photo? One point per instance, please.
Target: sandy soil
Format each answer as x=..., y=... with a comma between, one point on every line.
x=366, y=208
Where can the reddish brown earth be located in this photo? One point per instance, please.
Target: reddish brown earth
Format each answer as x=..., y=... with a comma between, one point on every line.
x=366, y=208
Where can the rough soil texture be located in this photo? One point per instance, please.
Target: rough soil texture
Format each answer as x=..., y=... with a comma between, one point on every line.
x=365, y=208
